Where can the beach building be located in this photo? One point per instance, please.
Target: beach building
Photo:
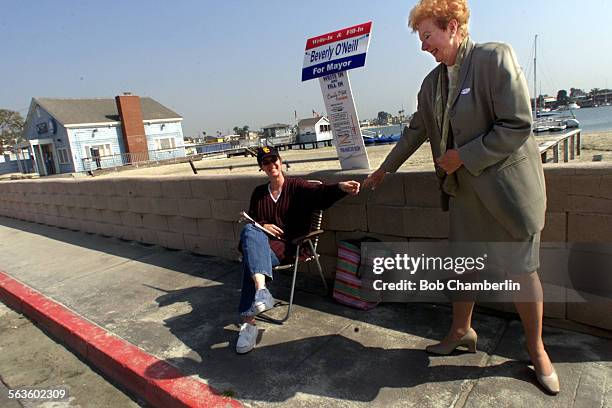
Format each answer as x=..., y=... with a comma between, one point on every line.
x=252, y=137
x=278, y=134
x=65, y=135
x=313, y=130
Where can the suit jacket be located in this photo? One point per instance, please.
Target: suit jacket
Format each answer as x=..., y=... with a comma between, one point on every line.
x=491, y=122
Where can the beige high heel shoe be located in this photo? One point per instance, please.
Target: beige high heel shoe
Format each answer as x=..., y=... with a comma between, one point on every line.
x=549, y=382
x=468, y=340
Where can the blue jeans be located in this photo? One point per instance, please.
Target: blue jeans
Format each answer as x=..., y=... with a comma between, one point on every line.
x=257, y=257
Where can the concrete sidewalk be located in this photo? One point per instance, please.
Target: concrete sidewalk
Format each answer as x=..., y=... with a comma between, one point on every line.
x=181, y=308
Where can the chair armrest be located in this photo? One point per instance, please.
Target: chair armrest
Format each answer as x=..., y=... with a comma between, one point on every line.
x=303, y=238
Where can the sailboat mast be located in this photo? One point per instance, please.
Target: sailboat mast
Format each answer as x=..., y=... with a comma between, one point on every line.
x=535, y=91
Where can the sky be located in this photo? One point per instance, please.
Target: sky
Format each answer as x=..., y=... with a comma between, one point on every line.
x=222, y=64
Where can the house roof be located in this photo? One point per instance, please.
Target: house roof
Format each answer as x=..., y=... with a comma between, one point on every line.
x=275, y=126
x=311, y=121
x=72, y=111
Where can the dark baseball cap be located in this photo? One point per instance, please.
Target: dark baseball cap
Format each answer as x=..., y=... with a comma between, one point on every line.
x=266, y=151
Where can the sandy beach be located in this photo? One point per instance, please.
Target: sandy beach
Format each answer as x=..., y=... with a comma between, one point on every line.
x=597, y=143
x=596, y=146
x=593, y=145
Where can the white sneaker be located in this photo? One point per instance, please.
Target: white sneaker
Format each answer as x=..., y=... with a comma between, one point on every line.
x=263, y=301
x=246, y=338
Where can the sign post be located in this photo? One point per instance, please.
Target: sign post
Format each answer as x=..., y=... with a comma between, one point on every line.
x=327, y=57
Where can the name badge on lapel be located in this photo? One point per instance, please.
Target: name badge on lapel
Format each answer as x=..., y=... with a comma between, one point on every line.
x=465, y=91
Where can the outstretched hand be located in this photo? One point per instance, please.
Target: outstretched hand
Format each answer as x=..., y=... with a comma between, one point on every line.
x=350, y=187
x=374, y=179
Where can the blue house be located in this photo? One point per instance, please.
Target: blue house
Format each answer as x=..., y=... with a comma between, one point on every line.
x=74, y=135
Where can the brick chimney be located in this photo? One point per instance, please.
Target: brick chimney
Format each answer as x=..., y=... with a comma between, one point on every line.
x=132, y=126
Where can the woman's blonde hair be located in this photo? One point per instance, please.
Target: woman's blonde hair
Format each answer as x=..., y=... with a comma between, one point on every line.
x=441, y=11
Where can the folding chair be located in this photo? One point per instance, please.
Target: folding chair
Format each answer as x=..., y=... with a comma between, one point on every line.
x=311, y=240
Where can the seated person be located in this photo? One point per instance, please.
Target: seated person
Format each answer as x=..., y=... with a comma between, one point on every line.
x=283, y=206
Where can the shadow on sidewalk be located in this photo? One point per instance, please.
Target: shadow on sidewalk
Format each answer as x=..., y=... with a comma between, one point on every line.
x=341, y=368
x=295, y=358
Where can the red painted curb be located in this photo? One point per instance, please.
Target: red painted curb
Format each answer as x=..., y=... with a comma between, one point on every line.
x=154, y=380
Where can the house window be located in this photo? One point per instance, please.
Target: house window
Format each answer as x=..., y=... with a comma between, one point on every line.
x=98, y=150
x=164, y=144
x=64, y=157
x=41, y=128
x=324, y=128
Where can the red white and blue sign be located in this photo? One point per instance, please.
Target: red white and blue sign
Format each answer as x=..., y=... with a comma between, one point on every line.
x=337, y=51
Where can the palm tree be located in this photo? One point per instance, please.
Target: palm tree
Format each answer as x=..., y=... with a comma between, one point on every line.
x=241, y=131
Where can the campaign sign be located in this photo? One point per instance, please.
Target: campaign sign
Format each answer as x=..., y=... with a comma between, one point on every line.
x=337, y=51
x=344, y=122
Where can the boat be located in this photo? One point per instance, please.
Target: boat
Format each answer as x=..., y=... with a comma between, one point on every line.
x=370, y=137
x=555, y=123
x=541, y=128
x=557, y=127
x=545, y=114
x=572, y=123
x=387, y=139
x=545, y=119
x=571, y=106
x=369, y=140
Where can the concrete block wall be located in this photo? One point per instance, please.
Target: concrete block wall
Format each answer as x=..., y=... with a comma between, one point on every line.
x=199, y=213
x=174, y=212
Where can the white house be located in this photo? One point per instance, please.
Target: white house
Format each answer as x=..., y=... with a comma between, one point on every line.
x=73, y=135
x=314, y=130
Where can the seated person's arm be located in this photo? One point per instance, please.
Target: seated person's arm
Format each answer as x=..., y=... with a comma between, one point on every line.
x=324, y=195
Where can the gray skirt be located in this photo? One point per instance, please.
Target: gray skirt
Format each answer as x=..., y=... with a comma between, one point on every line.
x=471, y=221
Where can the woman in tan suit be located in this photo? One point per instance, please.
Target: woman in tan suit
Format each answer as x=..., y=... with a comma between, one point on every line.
x=474, y=108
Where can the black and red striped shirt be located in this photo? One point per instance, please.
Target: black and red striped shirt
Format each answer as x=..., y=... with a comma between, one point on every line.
x=293, y=209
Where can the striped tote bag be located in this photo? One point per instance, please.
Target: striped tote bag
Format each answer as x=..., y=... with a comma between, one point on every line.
x=348, y=284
